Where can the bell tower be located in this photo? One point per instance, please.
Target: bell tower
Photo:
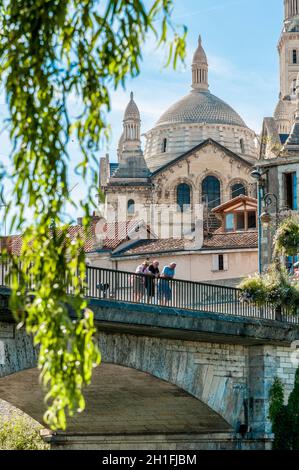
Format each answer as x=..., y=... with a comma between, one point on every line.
x=291, y=9
x=288, y=48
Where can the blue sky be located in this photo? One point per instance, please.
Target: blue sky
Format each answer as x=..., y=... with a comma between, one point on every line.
x=240, y=38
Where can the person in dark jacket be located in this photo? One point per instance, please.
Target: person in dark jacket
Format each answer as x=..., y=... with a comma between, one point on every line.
x=152, y=274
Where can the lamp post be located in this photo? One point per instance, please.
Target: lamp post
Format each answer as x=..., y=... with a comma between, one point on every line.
x=258, y=176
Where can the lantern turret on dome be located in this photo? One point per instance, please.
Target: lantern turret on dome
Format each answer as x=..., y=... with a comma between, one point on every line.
x=200, y=68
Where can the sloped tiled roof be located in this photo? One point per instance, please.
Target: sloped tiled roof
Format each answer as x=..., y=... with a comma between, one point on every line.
x=114, y=235
x=236, y=202
x=118, y=232
x=217, y=240
x=155, y=246
x=230, y=240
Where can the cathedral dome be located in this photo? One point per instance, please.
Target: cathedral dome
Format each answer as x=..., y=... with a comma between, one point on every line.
x=196, y=117
x=201, y=107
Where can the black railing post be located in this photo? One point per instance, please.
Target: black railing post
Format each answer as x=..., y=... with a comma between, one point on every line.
x=278, y=313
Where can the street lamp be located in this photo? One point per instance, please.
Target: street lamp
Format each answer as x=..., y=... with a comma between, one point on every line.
x=257, y=174
x=266, y=218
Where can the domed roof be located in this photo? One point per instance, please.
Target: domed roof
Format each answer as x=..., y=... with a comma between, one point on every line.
x=132, y=112
x=201, y=107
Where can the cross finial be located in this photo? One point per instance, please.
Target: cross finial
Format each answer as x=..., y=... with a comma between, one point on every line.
x=132, y=95
x=199, y=40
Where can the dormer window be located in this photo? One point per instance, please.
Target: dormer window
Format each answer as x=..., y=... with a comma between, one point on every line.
x=238, y=215
x=229, y=223
x=239, y=221
x=164, y=145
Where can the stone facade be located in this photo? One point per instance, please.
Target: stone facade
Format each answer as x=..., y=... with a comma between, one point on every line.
x=197, y=137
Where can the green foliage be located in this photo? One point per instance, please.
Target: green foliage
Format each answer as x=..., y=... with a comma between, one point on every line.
x=286, y=240
x=49, y=51
x=19, y=433
x=274, y=287
x=276, y=399
x=253, y=290
x=285, y=418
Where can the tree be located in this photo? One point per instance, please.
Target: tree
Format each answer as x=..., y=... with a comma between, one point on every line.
x=50, y=49
x=285, y=418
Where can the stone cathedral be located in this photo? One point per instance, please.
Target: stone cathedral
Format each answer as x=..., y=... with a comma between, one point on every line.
x=201, y=150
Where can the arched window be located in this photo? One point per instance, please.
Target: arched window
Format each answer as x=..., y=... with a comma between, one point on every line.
x=131, y=207
x=237, y=190
x=164, y=145
x=242, y=146
x=211, y=191
x=183, y=196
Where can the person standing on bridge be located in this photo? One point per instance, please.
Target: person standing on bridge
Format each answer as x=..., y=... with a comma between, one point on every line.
x=164, y=285
x=152, y=274
x=138, y=281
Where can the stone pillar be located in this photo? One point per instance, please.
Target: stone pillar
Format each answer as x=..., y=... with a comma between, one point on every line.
x=262, y=369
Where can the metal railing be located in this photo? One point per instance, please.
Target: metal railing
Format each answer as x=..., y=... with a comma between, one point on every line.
x=122, y=286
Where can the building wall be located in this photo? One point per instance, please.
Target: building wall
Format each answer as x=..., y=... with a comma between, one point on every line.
x=275, y=185
x=199, y=266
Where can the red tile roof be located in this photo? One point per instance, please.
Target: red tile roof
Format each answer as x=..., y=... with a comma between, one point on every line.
x=224, y=240
x=118, y=232
x=113, y=235
x=219, y=240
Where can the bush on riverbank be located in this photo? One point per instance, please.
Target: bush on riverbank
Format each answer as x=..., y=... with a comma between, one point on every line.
x=20, y=433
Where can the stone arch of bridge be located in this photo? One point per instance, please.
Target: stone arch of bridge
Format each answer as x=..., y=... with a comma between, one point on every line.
x=120, y=400
x=202, y=370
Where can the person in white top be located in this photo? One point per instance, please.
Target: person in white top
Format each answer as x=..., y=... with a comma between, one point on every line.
x=138, y=282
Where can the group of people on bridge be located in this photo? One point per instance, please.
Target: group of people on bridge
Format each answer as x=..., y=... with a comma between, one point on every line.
x=148, y=283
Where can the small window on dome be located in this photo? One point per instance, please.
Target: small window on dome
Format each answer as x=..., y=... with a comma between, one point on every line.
x=242, y=146
x=164, y=145
x=294, y=56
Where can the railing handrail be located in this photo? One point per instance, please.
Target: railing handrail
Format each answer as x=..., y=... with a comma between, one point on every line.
x=235, y=289
x=125, y=286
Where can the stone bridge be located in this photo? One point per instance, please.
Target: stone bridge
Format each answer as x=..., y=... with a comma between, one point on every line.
x=170, y=378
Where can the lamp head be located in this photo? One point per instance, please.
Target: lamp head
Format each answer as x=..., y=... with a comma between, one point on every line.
x=256, y=174
x=265, y=219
